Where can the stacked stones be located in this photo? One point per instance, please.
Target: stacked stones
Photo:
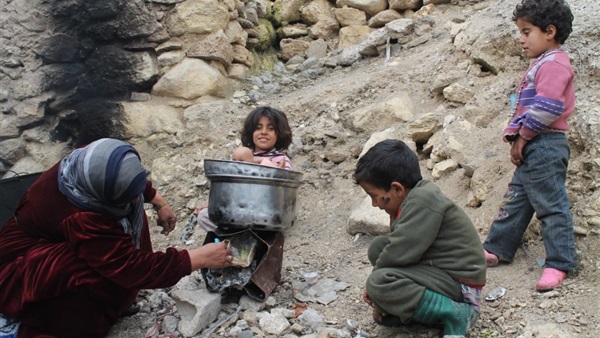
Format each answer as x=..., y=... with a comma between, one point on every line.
x=76, y=71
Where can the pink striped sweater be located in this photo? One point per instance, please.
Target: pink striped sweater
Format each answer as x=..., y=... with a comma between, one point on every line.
x=546, y=99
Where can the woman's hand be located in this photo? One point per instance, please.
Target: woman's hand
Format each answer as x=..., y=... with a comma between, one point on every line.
x=166, y=217
x=211, y=256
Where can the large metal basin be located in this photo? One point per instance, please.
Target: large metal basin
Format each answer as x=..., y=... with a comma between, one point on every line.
x=247, y=195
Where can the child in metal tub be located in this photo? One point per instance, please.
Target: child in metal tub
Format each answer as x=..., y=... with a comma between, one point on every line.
x=266, y=135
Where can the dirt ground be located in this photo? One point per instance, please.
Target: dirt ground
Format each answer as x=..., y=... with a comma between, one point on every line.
x=319, y=241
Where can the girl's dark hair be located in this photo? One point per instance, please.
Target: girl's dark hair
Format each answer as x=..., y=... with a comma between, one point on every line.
x=280, y=123
x=386, y=162
x=543, y=13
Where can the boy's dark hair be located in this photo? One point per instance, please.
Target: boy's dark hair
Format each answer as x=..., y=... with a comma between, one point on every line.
x=386, y=162
x=543, y=13
x=280, y=123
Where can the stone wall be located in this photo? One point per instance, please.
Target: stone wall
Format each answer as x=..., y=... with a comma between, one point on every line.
x=74, y=71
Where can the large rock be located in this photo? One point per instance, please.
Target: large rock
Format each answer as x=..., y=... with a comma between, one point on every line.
x=61, y=76
x=383, y=18
x=401, y=29
x=316, y=11
x=292, y=31
x=317, y=49
x=351, y=35
x=405, y=4
x=350, y=16
x=198, y=308
x=444, y=167
x=30, y=111
x=202, y=119
x=273, y=323
x=243, y=56
x=58, y=48
x=366, y=219
x=26, y=165
x=392, y=111
x=371, y=7
x=325, y=29
x=287, y=11
x=214, y=46
x=238, y=71
x=444, y=79
x=198, y=16
x=235, y=33
x=12, y=150
x=170, y=58
x=9, y=126
x=292, y=47
x=144, y=119
x=390, y=133
x=423, y=128
x=33, y=20
x=29, y=85
x=139, y=22
x=452, y=144
x=457, y=93
x=190, y=79
x=32, y=152
x=479, y=188
x=491, y=48
x=113, y=70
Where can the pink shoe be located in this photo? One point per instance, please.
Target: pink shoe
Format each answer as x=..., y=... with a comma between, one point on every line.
x=490, y=259
x=551, y=278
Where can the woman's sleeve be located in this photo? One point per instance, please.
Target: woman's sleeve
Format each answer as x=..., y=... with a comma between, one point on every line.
x=149, y=192
x=107, y=249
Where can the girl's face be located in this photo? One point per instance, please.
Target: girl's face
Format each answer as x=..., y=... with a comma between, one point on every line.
x=264, y=136
x=535, y=41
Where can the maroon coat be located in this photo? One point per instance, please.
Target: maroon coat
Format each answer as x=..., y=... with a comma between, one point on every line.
x=66, y=272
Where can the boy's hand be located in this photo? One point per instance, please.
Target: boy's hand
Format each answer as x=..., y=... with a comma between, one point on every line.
x=368, y=300
x=377, y=316
x=516, y=150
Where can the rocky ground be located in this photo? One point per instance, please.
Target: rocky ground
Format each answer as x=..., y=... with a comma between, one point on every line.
x=318, y=102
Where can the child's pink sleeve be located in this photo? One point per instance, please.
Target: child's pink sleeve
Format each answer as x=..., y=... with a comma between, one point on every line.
x=288, y=162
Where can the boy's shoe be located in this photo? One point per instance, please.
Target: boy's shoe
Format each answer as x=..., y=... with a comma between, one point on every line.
x=490, y=259
x=551, y=278
x=456, y=317
x=385, y=319
x=389, y=321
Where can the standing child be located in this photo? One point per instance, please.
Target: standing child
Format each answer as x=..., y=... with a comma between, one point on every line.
x=431, y=267
x=539, y=146
x=266, y=135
